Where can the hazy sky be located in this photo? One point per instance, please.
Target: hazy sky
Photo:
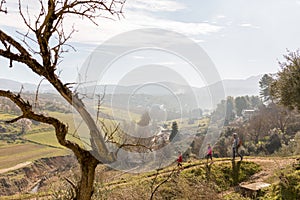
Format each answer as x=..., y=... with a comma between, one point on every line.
x=242, y=37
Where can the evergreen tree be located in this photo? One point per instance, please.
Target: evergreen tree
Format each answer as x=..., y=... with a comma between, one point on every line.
x=230, y=115
x=241, y=103
x=255, y=102
x=265, y=88
x=174, y=131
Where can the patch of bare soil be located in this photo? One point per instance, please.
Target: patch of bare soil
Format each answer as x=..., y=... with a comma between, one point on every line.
x=18, y=166
x=269, y=166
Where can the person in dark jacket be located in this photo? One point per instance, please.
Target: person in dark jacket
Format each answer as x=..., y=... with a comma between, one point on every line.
x=236, y=146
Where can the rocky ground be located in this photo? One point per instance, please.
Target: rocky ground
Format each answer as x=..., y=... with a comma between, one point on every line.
x=26, y=177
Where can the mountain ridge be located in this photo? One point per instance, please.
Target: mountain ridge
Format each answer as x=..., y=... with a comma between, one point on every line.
x=233, y=87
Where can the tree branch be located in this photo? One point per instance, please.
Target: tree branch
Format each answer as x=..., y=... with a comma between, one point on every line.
x=154, y=189
x=14, y=120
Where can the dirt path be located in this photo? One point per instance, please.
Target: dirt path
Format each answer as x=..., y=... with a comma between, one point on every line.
x=18, y=166
x=269, y=167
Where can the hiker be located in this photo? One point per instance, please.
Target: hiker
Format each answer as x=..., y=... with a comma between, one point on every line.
x=235, y=146
x=179, y=160
x=209, y=152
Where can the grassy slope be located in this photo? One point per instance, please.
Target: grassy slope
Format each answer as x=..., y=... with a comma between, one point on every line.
x=195, y=181
x=192, y=182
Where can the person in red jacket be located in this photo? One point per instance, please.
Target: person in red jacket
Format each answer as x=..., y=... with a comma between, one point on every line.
x=209, y=152
x=179, y=160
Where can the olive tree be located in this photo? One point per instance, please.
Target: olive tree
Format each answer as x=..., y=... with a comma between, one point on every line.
x=286, y=86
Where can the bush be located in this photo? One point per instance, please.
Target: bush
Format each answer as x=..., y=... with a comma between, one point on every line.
x=274, y=143
x=288, y=187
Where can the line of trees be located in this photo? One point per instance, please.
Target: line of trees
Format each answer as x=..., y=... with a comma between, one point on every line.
x=232, y=107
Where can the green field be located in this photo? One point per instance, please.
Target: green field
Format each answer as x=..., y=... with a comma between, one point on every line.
x=38, y=142
x=47, y=138
x=13, y=154
x=120, y=113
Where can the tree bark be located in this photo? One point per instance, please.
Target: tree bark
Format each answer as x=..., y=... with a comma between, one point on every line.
x=85, y=186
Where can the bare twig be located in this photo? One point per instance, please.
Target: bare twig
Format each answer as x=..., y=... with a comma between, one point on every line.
x=155, y=189
x=71, y=183
x=21, y=89
x=99, y=103
x=37, y=92
x=74, y=188
x=2, y=9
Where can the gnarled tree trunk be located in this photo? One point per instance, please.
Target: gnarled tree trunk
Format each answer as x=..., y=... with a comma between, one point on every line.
x=85, y=186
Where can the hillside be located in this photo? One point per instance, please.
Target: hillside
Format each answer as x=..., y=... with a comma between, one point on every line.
x=219, y=180
x=7, y=84
x=197, y=180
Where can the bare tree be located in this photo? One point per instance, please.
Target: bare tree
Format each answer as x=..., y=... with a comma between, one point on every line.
x=257, y=127
x=40, y=49
x=279, y=116
x=25, y=125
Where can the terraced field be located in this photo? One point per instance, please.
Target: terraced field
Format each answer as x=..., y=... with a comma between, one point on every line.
x=38, y=142
x=14, y=154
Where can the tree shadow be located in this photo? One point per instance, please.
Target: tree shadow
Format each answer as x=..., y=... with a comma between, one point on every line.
x=208, y=171
x=235, y=172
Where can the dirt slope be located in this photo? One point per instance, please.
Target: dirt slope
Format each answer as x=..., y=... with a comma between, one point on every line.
x=22, y=177
x=270, y=166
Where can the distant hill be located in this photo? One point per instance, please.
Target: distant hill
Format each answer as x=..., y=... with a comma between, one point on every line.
x=164, y=90
x=15, y=86
x=233, y=87
x=188, y=96
x=239, y=87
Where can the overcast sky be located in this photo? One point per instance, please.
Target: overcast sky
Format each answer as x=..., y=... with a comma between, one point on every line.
x=242, y=37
